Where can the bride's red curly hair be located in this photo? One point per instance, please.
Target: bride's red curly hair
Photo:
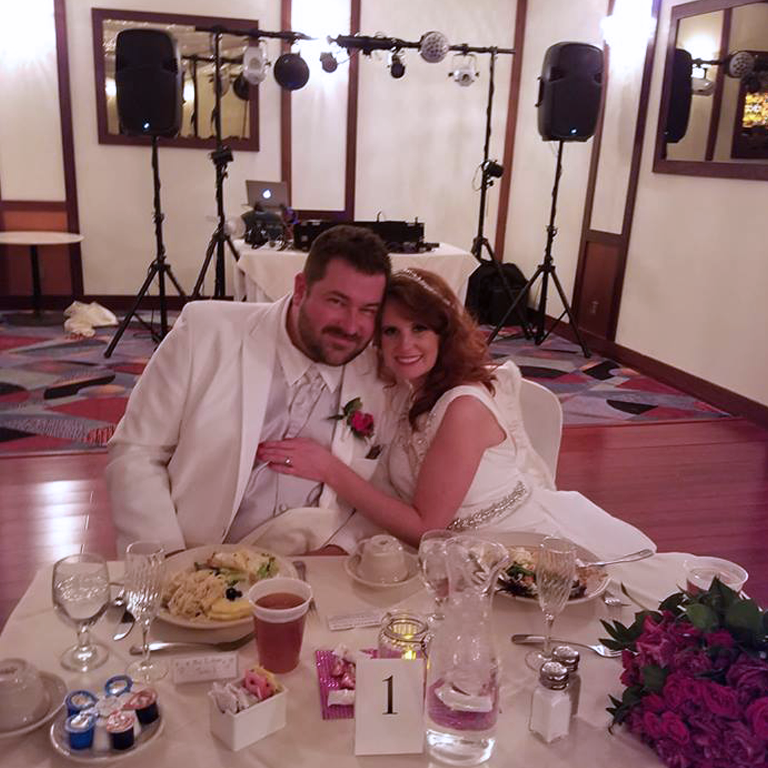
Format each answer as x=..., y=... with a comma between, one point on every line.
x=463, y=356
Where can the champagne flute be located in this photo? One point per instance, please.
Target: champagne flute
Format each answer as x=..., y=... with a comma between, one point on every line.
x=144, y=569
x=555, y=571
x=80, y=591
x=434, y=569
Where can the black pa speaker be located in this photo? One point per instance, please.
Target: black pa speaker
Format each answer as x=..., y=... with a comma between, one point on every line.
x=148, y=77
x=569, y=91
x=680, y=94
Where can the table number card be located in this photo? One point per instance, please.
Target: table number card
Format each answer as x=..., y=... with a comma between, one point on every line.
x=389, y=701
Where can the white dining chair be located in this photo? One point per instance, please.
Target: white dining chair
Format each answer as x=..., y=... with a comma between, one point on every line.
x=543, y=420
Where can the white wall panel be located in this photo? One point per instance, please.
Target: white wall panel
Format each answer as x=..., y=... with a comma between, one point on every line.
x=31, y=164
x=420, y=138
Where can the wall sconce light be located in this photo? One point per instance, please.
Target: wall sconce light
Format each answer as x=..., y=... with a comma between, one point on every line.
x=630, y=24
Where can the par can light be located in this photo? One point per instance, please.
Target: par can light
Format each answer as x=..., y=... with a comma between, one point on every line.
x=291, y=71
x=396, y=65
x=328, y=62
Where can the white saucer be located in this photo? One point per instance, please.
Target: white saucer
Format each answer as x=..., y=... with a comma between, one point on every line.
x=353, y=561
x=56, y=689
x=60, y=743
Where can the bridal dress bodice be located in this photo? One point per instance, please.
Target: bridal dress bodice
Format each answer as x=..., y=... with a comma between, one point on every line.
x=508, y=472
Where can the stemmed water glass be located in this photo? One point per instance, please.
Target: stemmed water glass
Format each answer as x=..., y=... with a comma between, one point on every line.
x=80, y=591
x=144, y=568
x=555, y=571
x=434, y=571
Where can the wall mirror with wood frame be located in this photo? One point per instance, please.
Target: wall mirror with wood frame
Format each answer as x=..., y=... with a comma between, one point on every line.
x=713, y=119
x=239, y=103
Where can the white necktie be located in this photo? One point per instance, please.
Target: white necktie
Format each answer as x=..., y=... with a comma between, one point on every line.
x=307, y=392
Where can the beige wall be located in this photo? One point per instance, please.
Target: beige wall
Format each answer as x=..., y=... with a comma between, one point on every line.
x=695, y=290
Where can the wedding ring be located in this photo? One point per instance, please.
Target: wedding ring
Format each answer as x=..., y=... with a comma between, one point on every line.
x=287, y=461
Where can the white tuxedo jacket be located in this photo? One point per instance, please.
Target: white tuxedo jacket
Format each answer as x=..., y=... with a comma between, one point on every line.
x=183, y=452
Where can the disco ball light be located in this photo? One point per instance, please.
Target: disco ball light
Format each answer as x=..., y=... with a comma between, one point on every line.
x=433, y=47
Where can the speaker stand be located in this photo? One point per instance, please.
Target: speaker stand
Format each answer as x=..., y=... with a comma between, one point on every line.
x=159, y=267
x=481, y=241
x=547, y=269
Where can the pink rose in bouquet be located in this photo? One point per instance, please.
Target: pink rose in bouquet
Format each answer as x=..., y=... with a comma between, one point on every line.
x=696, y=680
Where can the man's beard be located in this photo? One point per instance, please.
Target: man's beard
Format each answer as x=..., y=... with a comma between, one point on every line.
x=317, y=350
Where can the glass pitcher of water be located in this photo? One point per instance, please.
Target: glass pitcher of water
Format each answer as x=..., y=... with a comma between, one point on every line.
x=462, y=693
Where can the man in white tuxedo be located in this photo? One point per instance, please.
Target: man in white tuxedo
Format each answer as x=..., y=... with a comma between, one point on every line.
x=183, y=467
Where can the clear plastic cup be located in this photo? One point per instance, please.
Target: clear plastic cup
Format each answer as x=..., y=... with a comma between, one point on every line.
x=279, y=608
x=701, y=571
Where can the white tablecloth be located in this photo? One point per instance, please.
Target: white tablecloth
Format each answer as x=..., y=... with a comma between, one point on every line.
x=264, y=274
x=35, y=633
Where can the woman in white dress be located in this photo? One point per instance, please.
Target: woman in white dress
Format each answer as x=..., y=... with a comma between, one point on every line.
x=459, y=456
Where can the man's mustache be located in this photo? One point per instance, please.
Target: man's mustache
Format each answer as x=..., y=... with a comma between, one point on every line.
x=334, y=331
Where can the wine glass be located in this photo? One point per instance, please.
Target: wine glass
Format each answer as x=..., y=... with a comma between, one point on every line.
x=555, y=571
x=144, y=568
x=434, y=570
x=80, y=591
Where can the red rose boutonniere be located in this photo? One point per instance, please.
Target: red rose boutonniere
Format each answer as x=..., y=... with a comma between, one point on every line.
x=360, y=423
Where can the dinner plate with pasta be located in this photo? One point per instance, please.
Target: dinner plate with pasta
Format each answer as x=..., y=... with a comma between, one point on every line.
x=207, y=587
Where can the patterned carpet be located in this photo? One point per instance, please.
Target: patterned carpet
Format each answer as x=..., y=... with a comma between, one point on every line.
x=59, y=393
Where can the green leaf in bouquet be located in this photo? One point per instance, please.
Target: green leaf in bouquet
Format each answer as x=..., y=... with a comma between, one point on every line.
x=702, y=617
x=745, y=620
x=674, y=603
x=654, y=677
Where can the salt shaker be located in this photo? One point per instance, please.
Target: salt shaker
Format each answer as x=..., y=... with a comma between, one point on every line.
x=569, y=658
x=551, y=703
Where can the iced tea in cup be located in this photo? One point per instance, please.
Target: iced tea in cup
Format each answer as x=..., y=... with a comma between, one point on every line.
x=701, y=571
x=279, y=608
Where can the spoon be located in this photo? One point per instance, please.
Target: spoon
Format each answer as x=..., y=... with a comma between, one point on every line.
x=641, y=554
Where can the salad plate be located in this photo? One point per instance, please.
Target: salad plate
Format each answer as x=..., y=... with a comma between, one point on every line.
x=517, y=581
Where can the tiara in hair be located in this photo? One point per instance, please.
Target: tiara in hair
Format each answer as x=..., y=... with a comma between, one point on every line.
x=422, y=283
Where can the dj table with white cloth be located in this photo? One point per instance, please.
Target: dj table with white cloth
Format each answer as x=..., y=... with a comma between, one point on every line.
x=266, y=274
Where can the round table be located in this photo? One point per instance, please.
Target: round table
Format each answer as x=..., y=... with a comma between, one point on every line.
x=34, y=240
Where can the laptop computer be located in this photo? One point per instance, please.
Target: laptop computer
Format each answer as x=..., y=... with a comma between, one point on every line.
x=270, y=195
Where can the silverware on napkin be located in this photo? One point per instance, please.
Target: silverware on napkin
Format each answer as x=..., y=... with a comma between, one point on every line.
x=598, y=648
x=159, y=645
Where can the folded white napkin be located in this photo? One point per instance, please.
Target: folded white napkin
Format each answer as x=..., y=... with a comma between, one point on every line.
x=83, y=318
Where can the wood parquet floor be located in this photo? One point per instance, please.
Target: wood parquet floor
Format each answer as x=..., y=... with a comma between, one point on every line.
x=698, y=487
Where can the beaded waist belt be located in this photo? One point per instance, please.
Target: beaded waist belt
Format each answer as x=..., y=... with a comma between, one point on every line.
x=501, y=508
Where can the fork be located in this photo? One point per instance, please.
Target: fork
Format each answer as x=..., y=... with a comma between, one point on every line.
x=301, y=570
x=159, y=645
x=598, y=648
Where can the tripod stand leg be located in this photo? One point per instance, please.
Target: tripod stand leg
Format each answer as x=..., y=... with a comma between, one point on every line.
x=520, y=296
x=201, y=277
x=153, y=270
x=175, y=282
x=571, y=319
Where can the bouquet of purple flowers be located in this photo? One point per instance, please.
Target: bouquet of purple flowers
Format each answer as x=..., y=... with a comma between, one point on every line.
x=696, y=679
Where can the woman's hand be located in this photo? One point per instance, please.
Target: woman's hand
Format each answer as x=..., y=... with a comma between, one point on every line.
x=298, y=456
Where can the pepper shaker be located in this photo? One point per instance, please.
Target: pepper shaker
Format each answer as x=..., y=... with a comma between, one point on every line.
x=569, y=658
x=551, y=704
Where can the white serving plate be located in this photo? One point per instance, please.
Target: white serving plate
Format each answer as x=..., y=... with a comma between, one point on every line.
x=596, y=585
x=61, y=744
x=186, y=560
